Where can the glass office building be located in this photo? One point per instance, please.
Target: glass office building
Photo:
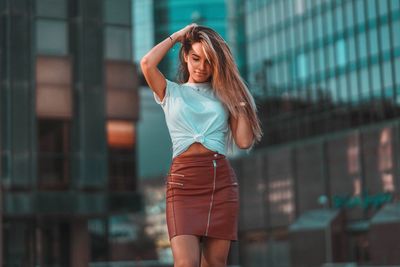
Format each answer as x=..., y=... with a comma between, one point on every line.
x=323, y=66
x=68, y=110
x=323, y=185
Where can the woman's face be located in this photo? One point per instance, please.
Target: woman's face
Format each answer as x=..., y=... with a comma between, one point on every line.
x=198, y=66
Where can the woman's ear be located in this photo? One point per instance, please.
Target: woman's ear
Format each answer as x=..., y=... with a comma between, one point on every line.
x=185, y=57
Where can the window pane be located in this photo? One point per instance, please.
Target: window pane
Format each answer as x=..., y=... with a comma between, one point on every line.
x=117, y=13
x=383, y=6
x=397, y=73
x=299, y=34
x=332, y=87
x=376, y=80
x=53, y=87
x=373, y=41
x=320, y=26
x=309, y=29
x=329, y=25
x=395, y=33
x=360, y=11
x=371, y=9
x=54, y=158
x=51, y=37
x=302, y=67
x=311, y=62
x=364, y=83
x=362, y=45
x=121, y=166
x=121, y=137
x=387, y=74
x=118, y=43
x=339, y=19
x=331, y=56
x=351, y=49
x=385, y=40
x=395, y=5
x=348, y=9
x=353, y=86
x=345, y=94
x=321, y=59
x=51, y=8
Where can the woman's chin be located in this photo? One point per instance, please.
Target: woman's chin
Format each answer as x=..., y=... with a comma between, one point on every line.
x=201, y=79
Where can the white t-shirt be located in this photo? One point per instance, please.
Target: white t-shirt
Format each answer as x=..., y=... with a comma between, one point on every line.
x=194, y=113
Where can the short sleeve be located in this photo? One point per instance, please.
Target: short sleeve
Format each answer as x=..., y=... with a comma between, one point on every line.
x=168, y=92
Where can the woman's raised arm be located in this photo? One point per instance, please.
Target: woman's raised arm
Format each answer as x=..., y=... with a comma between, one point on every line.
x=154, y=78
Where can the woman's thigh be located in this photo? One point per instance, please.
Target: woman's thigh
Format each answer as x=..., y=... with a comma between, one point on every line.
x=215, y=252
x=186, y=250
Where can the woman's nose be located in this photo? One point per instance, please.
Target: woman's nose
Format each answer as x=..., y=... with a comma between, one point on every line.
x=203, y=65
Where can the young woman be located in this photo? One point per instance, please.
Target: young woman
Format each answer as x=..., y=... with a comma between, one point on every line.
x=208, y=111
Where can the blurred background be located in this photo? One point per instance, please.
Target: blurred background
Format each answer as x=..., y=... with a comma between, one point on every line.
x=85, y=149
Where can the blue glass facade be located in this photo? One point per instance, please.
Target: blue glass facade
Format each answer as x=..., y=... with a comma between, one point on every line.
x=318, y=66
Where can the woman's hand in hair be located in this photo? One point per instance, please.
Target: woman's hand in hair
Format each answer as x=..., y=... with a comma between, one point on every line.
x=180, y=35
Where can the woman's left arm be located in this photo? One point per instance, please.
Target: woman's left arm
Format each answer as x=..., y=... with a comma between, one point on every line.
x=241, y=131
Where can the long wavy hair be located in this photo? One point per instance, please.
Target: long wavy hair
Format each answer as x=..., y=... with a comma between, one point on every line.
x=225, y=78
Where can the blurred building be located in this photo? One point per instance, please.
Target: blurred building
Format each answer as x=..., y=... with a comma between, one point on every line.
x=68, y=114
x=323, y=66
x=323, y=186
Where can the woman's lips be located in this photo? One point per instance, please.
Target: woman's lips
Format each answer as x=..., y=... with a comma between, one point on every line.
x=201, y=73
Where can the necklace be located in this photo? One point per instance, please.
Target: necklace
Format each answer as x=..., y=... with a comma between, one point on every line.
x=199, y=86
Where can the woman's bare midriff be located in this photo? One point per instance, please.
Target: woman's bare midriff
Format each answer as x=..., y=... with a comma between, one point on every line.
x=196, y=149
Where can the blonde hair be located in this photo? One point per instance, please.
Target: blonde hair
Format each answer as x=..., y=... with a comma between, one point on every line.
x=225, y=79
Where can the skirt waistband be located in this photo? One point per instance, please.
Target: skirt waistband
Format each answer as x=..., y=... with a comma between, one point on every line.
x=198, y=157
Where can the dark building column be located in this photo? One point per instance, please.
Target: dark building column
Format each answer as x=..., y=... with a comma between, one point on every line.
x=89, y=136
x=16, y=93
x=17, y=129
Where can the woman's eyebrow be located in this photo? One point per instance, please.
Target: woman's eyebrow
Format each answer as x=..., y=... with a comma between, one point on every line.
x=194, y=54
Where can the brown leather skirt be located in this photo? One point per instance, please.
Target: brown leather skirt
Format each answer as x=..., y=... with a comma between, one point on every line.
x=202, y=197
